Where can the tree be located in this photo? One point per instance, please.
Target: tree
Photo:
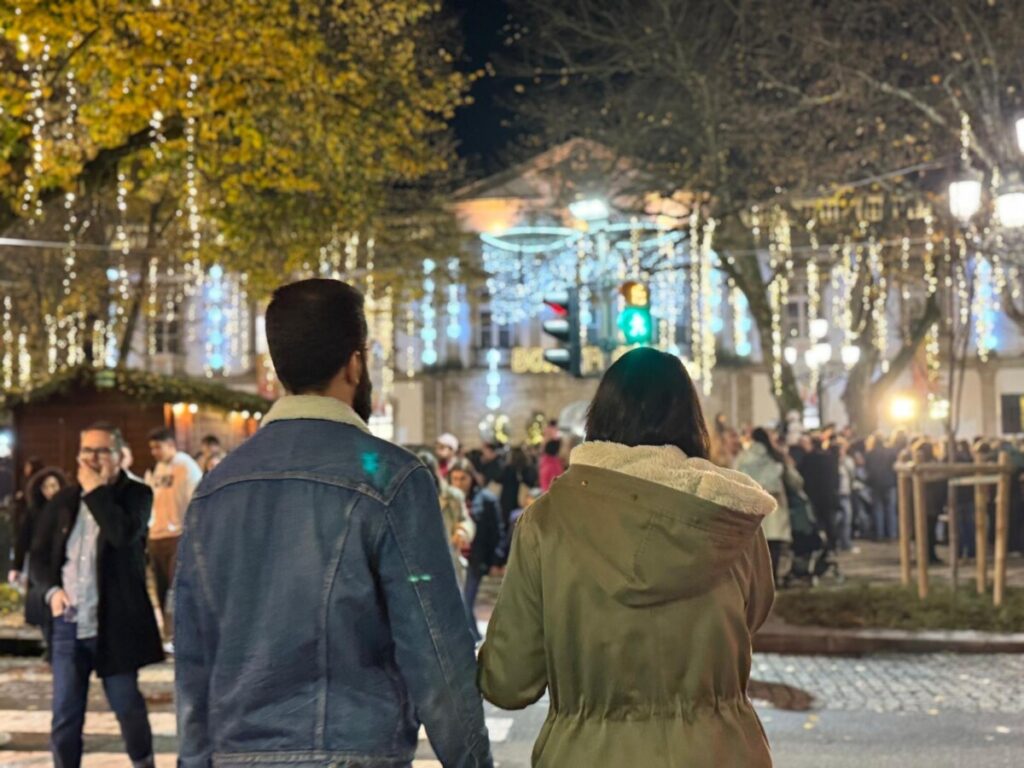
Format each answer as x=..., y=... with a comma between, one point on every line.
x=212, y=131
x=747, y=104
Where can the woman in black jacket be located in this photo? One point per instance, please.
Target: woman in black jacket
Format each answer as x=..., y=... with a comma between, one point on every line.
x=41, y=487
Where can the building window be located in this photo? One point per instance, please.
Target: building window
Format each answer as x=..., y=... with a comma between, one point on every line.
x=492, y=335
x=167, y=336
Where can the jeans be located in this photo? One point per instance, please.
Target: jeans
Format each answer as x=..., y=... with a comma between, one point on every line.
x=73, y=663
x=884, y=506
x=469, y=592
x=844, y=525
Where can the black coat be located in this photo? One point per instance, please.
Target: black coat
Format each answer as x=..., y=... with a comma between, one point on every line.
x=128, y=636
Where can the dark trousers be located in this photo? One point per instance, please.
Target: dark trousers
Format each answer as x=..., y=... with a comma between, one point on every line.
x=469, y=593
x=73, y=663
x=163, y=555
x=775, y=547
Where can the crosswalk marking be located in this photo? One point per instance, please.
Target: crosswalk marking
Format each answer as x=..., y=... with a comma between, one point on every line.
x=96, y=723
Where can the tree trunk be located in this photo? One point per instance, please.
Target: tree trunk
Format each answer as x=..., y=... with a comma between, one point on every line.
x=745, y=271
x=132, y=318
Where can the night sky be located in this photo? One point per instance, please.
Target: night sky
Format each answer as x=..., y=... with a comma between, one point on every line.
x=478, y=127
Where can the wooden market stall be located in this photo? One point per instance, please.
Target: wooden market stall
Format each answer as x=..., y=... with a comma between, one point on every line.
x=47, y=419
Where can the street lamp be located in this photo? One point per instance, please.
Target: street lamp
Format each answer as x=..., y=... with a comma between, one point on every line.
x=850, y=355
x=965, y=199
x=819, y=328
x=1010, y=207
x=591, y=209
x=823, y=352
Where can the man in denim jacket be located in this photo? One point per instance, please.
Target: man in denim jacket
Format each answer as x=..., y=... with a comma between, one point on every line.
x=317, y=618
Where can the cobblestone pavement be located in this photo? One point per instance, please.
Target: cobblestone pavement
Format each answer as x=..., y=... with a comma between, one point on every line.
x=902, y=711
x=927, y=684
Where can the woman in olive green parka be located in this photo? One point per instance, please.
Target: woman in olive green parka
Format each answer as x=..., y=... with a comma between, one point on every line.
x=633, y=589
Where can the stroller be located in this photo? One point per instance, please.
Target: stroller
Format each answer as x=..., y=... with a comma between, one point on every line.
x=811, y=558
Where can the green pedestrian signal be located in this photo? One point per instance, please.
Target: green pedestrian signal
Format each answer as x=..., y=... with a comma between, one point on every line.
x=635, y=320
x=636, y=325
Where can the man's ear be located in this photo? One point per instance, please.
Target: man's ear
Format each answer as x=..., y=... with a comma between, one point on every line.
x=354, y=369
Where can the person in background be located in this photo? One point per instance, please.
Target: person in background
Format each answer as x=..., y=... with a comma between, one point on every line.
x=936, y=492
x=127, y=460
x=847, y=475
x=519, y=477
x=40, y=488
x=726, y=447
x=173, y=480
x=880, y=464
x=89, y=582
x=765, y=463
x=318, y=621
x=819, y=468
x=551, y=466
x=491, y=463
x=210, y=453
x=966, y=523
x=634, y=589
x=551, y=430
x=458, y=523
x=446, y=451
x=486, y=553
x=20, y=508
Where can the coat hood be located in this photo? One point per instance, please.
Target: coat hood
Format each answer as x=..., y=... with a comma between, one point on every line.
x=657, y=526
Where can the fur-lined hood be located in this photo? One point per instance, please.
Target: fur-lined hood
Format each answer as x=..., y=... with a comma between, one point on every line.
x=652, y=524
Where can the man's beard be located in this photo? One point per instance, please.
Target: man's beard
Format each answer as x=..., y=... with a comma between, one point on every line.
x=362, y=403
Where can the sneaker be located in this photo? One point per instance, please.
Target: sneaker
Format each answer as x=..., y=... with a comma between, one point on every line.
x=169, y=648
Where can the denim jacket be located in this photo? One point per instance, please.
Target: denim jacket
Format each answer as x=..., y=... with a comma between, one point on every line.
x=317, y=618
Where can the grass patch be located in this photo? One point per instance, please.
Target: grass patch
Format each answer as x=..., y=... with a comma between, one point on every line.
x=10, y=601
x=860, y=606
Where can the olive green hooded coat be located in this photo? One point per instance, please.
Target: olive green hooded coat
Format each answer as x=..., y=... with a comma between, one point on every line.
x=632, y=592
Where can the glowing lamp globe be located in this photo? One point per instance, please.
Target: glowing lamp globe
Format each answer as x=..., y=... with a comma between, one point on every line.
x=903, y=409
x=965, y=199
x=790, y=354
x=850, y=355
x=819, y=328
x=823, y=351
x=589, y=210
x=1010, y=209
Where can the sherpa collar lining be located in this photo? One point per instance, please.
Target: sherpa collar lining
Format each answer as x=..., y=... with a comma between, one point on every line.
x=291, y=407
x=668, y=466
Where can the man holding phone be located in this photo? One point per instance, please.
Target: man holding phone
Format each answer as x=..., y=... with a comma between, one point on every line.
x=89, y=580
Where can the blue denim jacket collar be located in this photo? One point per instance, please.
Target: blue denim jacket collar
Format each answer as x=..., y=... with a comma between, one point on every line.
x=292, y=407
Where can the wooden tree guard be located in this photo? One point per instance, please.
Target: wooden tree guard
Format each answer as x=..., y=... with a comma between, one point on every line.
x=912, y=511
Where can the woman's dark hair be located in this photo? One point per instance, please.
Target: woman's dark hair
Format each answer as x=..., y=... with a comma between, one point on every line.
x=760, y=435
x=648, y=398
x=553, y=447
x=36, y=500
x=313, y=329
x=463, y=465
x=518, y=460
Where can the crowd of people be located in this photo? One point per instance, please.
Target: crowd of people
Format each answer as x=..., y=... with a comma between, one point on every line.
x=317, y=615
x=482, y=493
x=834, y=487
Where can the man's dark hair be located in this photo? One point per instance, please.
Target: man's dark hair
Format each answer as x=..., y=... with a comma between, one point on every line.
x=313, y=329
x=162, y=435
x=553, y=447
x=110, y=429
x=648, y=398
x=210, y=440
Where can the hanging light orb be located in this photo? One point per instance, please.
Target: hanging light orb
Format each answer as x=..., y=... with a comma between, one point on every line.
x=1010, y=208
x=823, y=351
x=592, y=209
x=819, y=328
x=790, y=354
x=811, y=357
x=965, y=199
x=850, y=355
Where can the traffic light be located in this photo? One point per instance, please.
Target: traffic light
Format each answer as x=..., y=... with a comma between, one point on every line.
x=565, y=327
x=635, y=320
